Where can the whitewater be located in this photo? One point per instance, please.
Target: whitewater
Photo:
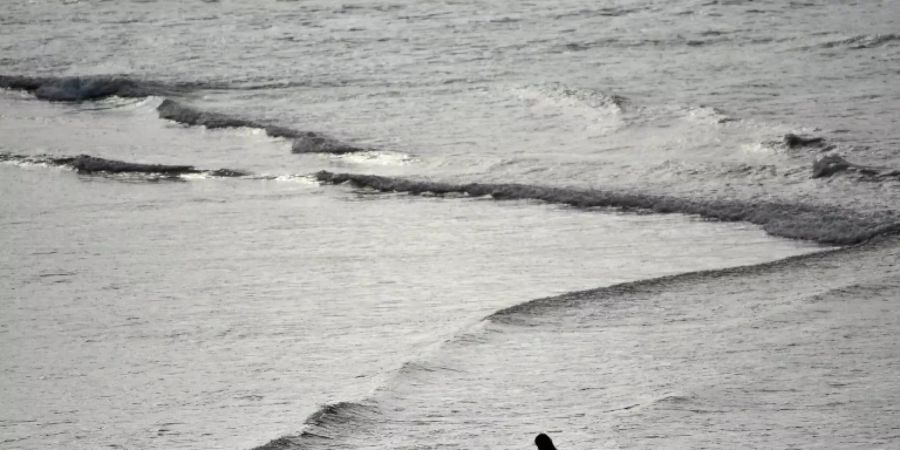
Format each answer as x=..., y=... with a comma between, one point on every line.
x=300, y=224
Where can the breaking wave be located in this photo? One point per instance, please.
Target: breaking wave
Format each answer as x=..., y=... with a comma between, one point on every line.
x=571, y=96
x=87, y=88
x=827, y=225
x=92, y=165
x=322, y=425
x=302, y=141
x=76, y=88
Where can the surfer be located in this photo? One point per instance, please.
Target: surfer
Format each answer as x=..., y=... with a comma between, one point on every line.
x=543, y=442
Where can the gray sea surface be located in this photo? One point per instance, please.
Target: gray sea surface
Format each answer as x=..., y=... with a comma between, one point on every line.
x=521, y=176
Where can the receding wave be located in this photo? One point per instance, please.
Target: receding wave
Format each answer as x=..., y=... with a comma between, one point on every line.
x=92, y=165
x=302, y=141
x=798, y=221
x=330, y=419
x=78, y=88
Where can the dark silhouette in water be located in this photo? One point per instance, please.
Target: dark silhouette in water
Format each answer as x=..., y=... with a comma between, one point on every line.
x=543, y=442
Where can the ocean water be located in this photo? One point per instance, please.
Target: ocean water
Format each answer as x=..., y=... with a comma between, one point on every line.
x=449, y=224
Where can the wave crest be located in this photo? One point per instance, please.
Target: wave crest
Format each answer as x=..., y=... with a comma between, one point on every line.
x=330, y=419
x=798, y=221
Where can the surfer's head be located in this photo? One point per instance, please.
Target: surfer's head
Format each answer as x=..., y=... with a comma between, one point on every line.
x=543, y=442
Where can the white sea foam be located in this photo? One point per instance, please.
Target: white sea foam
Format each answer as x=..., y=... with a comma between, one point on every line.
x=300, y=179
x=375, y=157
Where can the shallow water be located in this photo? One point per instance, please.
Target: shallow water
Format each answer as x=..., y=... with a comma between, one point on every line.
x=171, y=314
x=140, y=310
x=797, y=354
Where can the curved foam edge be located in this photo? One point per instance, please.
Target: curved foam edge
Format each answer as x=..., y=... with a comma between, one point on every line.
x=797, y=221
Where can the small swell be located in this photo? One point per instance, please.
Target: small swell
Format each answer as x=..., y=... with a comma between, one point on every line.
x=339, y=414
x=302, y=141
x=597, y=12
x=629, y=42
x=382, y=158
x=798, y=221
x=330, y=420
x=863, y=41
x=522, y=313
x=672, y=398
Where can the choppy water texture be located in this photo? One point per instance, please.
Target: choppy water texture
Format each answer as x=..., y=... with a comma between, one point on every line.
x=443, y=224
